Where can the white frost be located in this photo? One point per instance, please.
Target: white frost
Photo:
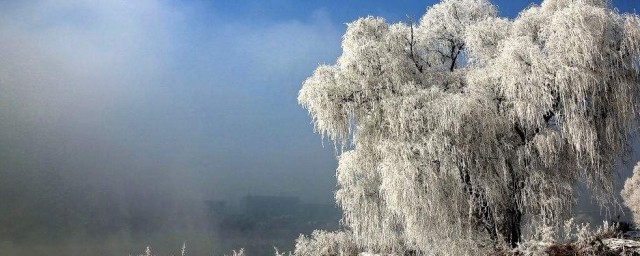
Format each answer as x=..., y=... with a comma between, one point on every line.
x=457, y=132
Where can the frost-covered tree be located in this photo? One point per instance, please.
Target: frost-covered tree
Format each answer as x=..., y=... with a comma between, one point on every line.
x=631, y=194
x=465, y=129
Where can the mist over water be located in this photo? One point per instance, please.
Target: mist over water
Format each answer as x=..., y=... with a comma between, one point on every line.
x=126, y=124
x=119, y=120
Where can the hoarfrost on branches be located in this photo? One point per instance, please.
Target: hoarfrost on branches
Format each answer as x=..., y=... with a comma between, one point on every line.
x=464, y=129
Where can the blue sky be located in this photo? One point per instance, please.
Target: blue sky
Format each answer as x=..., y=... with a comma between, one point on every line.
x=345, y=11
x=197, y=98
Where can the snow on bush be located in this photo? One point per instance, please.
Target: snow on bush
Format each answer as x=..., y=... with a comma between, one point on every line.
x=323, y=243
x=631, y=193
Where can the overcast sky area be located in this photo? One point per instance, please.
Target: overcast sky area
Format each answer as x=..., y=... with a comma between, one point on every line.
x=188, y=99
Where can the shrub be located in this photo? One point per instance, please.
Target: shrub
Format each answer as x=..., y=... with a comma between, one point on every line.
x=323, y=243
x=631, y=193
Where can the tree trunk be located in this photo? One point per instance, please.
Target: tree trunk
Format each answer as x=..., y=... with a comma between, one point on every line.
x=482, y=211
x=507, y=228
x=511, y=229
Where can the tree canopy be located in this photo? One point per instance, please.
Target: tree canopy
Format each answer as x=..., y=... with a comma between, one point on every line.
x=467, y=130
